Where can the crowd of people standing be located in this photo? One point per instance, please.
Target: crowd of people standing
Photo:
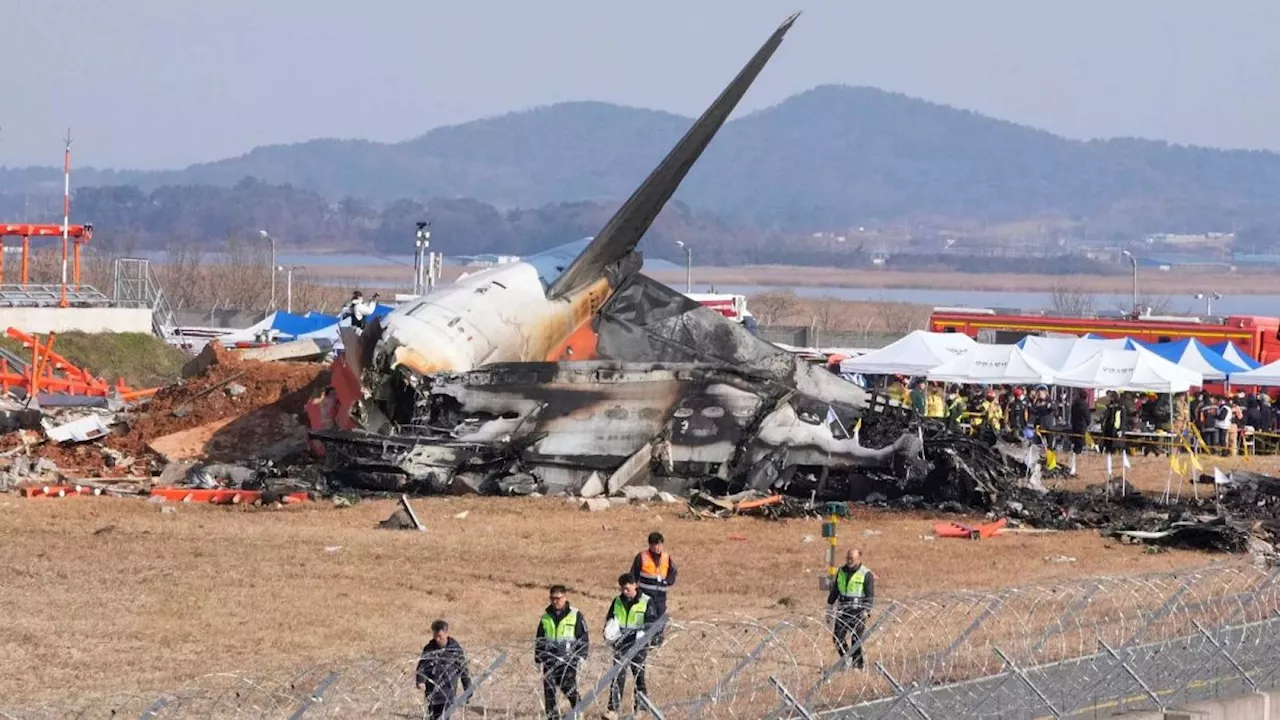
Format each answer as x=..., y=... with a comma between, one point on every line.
x=1070, y=418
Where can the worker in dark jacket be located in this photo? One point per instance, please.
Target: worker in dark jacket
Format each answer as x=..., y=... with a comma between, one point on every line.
x=629, y=622
x=850, y=600
x=1019, y=413
x=1041, y=408
x=655, y=572
x=1115, y=421
x=559, y=647
x=1081, y=415
x=442, y=665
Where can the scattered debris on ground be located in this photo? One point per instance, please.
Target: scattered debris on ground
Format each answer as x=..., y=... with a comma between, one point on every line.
x=232, y=431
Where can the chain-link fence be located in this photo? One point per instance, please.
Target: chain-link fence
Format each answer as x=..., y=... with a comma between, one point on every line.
x=1087, y=648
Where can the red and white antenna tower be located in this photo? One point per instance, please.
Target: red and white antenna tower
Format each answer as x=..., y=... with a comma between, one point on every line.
x=66, y=212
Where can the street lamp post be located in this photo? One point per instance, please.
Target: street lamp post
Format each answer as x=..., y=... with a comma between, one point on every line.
x=271, y=240
x=288, y=284
x=688, y=266
x=1208, y=301
x=1134, y=260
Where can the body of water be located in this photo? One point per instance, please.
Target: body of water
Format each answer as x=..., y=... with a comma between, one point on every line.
x=1230, y=305
x=1268, y=305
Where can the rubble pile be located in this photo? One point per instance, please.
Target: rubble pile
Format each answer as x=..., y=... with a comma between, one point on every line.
x=232, y=410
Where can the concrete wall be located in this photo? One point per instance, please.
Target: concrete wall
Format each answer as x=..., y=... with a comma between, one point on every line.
x=1255, y=706
x=96, y=319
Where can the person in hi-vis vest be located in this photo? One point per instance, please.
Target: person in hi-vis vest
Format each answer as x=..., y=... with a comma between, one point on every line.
x=655, y=572
x=560, y=645
x=850, y=600
x=629, y=621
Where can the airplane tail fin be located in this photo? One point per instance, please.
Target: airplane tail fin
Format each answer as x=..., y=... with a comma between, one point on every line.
x=624, y=230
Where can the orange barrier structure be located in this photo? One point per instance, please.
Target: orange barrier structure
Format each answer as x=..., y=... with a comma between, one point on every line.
x=50, y=372
x=973, y=532
x=220, y=497
x=77, y=234
x=32, y=491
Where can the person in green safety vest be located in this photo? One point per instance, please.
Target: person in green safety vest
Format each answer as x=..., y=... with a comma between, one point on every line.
x=849, y=601
x=955, y=409
x=630, y=618
x=560, y=645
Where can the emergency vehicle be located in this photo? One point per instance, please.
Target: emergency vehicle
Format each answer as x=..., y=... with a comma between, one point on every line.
x=1256, y=336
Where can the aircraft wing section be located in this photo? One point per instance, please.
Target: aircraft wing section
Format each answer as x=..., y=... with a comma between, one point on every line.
x=624, y=230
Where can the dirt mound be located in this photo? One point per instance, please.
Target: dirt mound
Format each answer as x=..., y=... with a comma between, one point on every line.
x=270, y=388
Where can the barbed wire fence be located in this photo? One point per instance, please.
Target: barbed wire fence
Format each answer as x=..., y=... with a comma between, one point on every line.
x=1084, y=648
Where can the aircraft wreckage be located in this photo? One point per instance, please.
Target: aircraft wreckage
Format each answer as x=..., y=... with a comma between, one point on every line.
x=572, y=368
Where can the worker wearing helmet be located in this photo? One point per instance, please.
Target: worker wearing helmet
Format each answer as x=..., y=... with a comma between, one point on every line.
x=1019, y=413
x=992, y=416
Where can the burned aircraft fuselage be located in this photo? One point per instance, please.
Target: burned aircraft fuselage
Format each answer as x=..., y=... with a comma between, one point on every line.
x=563, y=422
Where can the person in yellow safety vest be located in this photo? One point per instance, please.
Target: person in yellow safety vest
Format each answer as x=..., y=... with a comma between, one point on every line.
x=934, y=406
x=655, y=572
x=993, y=412
x=897, y=390
x=630, y=619
x=849, y=601
x=560, y=645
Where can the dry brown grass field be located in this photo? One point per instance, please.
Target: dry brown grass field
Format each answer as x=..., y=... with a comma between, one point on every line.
x=1180, y=281
x=104, y=594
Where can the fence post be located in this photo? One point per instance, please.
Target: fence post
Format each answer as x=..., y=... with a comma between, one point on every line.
x=788, y=699
x=723, y=682
x=1223, y=651
x=1124, y=664
x=902, y=694
x=1022, y=675
x=839, y=665
x=647, y=705
x=1160, y=612
x=926, y=674
x=316, y=695
x=467, y=694
x=619, y=665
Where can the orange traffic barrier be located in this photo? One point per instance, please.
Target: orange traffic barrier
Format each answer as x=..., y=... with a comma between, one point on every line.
x=219, y=497
x=973, y=532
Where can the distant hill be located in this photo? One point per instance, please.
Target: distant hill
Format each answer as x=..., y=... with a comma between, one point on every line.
x=831, y=157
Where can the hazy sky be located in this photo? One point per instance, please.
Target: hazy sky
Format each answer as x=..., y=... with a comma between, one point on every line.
x=163, y=83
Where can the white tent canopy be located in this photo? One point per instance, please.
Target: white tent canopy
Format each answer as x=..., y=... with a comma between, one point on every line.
x=1050, y=351
x=1138, y=370
x=993, y=365
x=916, y=354
x=1268, y=375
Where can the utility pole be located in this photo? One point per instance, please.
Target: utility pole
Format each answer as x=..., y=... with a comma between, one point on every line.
x=271, y=240
x=422, y=259
x=288, y=284
x=688, y=266
x=1133, y=260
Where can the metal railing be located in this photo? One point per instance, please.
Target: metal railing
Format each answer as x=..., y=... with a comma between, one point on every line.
x=1085, y=648
x=137, y=286
x=18, y=295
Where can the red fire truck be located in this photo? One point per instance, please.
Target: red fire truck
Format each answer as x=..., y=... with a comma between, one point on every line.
x=731, y=306
x=1258, y=337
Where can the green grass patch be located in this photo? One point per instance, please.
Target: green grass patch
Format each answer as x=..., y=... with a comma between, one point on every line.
x=143, y=360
